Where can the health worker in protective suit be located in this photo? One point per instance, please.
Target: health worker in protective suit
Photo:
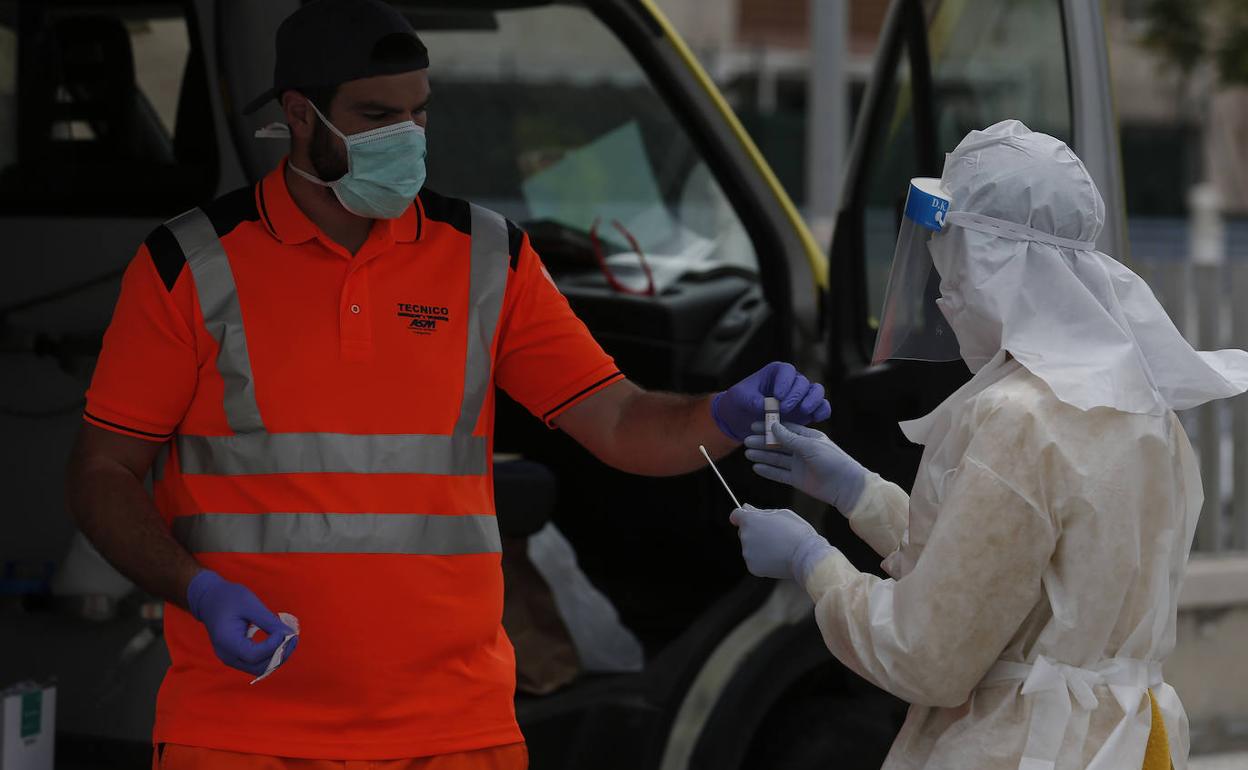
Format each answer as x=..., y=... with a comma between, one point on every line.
x=1035, y=566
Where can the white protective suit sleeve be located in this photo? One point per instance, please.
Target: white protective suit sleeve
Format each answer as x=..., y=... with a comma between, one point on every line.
x=930, y=637
x=881, y=515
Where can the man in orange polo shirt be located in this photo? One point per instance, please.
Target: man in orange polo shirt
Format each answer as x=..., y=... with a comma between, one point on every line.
x=307, y=368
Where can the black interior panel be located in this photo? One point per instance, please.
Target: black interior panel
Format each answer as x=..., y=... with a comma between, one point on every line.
x=699, y=336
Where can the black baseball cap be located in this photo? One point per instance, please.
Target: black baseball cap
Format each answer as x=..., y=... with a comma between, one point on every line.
x=328, y=42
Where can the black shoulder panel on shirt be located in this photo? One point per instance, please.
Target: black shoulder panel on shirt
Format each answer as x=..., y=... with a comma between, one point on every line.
x=166, y=255
x=515, y=237
x=232, y=209
x=452, y=211
x=225, y=213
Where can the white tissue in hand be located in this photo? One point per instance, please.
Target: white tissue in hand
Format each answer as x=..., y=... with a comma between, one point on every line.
x=280, y=653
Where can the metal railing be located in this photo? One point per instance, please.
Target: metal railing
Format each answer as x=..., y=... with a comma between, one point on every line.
x=1198, y=268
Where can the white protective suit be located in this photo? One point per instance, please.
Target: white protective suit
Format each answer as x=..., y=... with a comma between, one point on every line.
x=1036, y=566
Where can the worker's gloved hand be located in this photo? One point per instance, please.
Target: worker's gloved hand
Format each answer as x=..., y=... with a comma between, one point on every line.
x=778, y=543
x=809, y=461
x=227, y=609
x=801, y=401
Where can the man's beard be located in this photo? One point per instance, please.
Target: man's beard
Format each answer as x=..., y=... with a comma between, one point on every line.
x=327, y=162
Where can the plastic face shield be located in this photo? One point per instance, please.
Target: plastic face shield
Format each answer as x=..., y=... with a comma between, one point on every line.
x=912, y=326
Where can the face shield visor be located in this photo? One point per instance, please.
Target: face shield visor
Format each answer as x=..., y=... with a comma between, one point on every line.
x=911, y=325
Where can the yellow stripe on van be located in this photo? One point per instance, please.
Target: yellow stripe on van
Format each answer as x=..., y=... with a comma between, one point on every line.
x=816, y=256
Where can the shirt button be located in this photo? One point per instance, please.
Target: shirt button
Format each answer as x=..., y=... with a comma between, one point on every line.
x=355, y=309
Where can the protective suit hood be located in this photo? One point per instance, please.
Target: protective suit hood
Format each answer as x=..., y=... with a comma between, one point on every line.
x=1019, y=273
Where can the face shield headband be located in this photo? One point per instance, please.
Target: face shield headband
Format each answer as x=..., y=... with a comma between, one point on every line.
x=912, y=327
x=1013, y=231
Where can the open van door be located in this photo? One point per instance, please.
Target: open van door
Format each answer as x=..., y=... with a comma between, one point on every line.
x=943, y=68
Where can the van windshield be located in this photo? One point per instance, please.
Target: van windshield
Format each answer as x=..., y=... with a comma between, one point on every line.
x=543, y=115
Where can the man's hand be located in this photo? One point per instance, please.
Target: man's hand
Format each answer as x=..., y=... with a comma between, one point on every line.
x=227, y=610
x=809, y=461
x=778, y=543
x=739, y=407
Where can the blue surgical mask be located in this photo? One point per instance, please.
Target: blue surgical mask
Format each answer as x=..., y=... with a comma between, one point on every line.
x=385, y=169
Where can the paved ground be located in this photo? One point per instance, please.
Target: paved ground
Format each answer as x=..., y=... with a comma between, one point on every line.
x=1237, y=761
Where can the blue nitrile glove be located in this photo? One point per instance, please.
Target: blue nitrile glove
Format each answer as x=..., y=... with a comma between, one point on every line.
x=739, y=407
x=809, y=461
x=778, y=543
x=227, y=609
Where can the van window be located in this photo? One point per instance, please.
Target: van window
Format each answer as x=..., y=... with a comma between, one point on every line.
x=104, y=109
x=993, y=60
x=982, y=61
x=557, y=149
x=894, y=164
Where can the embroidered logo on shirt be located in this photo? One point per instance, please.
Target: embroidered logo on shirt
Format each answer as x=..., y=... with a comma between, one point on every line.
x=423, y=319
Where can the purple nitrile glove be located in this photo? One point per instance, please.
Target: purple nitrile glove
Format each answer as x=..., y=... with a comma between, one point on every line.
x=739, y=407
x=778, y=543
x=808, y=460
x=227, y=609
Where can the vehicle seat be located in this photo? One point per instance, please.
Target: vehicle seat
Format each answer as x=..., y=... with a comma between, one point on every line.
x=524, y=496
x=89, y=77
x=546, y=658
x=89, y=141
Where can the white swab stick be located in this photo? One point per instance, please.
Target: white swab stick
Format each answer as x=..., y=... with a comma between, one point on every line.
x=721, y=477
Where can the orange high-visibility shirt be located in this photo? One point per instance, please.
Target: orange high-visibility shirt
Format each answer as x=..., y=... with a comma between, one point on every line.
x=329, y=422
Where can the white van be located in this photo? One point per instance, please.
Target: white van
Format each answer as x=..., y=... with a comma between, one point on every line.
x=99, y=143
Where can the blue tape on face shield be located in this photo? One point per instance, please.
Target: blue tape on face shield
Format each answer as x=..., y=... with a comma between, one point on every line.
x=385, y=169
x=911, y=325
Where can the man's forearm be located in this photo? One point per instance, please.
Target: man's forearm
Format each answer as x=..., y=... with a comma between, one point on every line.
x=658, y=434
x=118, y=516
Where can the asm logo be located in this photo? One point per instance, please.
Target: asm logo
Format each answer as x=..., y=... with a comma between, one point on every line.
x=423, y=319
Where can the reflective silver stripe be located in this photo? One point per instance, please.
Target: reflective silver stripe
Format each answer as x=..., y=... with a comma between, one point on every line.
x=259, y=453
x=223, y=316
x=253, y=451
x=487, y=284
x=399, y=533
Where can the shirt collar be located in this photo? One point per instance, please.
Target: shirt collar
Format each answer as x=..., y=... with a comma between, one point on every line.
x=286, y=221
x=407, y=227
